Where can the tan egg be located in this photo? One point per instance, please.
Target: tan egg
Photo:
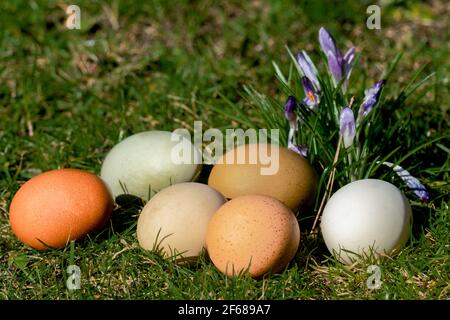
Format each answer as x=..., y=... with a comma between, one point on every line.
x=255, y=232
x=176, y=218
x=291, y=178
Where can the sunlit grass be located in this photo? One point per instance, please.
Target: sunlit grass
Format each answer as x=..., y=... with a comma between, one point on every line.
x=64, y=102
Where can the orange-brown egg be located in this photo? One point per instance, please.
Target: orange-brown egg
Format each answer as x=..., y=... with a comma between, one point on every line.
x=255, y=232
x=58, y=206
x=293, y=180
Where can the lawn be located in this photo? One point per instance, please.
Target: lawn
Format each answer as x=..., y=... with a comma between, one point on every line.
x=68, y=96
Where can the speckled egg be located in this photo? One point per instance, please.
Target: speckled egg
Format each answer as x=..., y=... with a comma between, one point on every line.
x=294, y=182
x=253, y=232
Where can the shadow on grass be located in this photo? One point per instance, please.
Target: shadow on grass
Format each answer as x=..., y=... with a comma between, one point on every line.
x=123, y=218
x=420, y=220
x=204, y=174
x=127, y=212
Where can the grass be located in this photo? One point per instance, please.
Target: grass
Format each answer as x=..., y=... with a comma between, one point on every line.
x=67, y=96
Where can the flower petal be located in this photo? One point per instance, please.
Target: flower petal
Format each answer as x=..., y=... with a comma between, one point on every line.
x=413, y=183
x=335, y=67
x=312, y=98
x=308, y=68
x=299, y=149
x=348, y=62
x=328, y=44
x=289, y=110
x=347, y=126
x=371, y=99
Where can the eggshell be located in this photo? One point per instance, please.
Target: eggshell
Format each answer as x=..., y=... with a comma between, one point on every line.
x=255, y=232
x=176, y=218
x=142, y=164
x=294, y=183
x=364, y=217
x=58, y=206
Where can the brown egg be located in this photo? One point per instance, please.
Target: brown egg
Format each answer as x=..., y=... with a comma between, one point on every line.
x=255, y=232
x=294, y=183
x=58, y=206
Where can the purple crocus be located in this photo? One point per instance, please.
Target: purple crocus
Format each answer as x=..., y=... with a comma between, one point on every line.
x=308, y=68
x=413, y=183
x=299, y=149
x=339, y=66
x=349, y=58
x=347, y=126
x=291, y=116
x=371, y=99
x=289, y=111
x=312, y=98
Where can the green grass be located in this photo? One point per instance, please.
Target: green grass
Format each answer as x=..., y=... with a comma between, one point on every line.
x=65, y=102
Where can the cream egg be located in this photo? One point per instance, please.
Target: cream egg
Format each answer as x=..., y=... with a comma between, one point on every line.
x=175, y=219
x=146, y=162
x=253, y=232
x=364, y=217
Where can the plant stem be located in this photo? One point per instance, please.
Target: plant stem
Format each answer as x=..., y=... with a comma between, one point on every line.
x=329, y=186
x=352, y=174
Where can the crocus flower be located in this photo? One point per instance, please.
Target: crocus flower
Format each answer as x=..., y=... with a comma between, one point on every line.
x=308, y=68
x=289, y=111
x=312, y=97
x=339, y=66
x=291, y=116
x=347, y=126
x=299, y=149
x=413, y=183
x=349, y=58
x=371, y=99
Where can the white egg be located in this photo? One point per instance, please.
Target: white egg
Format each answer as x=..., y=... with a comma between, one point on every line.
x=176, y=219
x=143, y=164
x=364, y=217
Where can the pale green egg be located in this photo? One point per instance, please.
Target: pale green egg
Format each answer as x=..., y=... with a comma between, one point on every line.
x=147, y=162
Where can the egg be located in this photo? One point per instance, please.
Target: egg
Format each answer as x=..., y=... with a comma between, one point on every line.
x=253, y=232
x=144, y=163
x=176, y=218
x=364, y=217
x=294, y=182
x=58, y=206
